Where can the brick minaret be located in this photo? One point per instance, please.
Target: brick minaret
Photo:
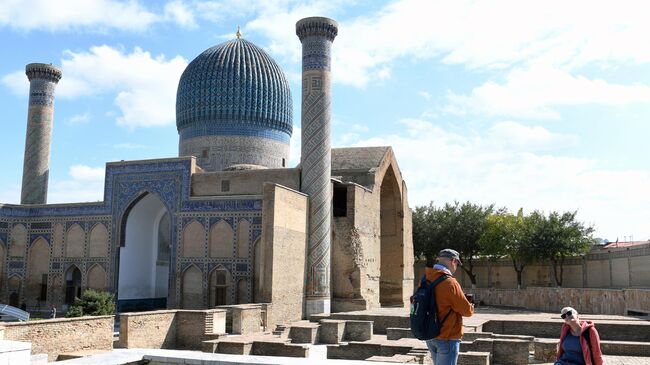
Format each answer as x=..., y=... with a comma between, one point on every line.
x=316, y=35
x=42, y=82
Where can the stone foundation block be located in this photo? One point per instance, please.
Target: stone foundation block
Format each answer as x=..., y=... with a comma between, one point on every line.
x=393, y=349
x=545, y=349
x=510, y=352
x=353, y=351
x=234, y=347
x=625, y=348
x=474, y=358
x=358, y=330
x=273, y=348
x=331, y=331
x=529, y=339
x=474, y=335
x=246, y=320
x=400, y=359
x=304, y=333
x=482, y=345
x=397, y=333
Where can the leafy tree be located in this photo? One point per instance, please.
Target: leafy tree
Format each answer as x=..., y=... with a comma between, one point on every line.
x=506, y=236
x=557, y=237
x=457, y=226
x=92, y=303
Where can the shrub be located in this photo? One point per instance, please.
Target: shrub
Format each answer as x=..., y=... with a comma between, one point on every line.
x=92, y=303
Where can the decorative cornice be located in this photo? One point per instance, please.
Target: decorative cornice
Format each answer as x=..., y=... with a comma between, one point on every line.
x=44, y=71
x=317, y=27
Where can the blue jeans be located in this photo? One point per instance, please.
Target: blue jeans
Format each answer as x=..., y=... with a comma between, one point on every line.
x=444, y=352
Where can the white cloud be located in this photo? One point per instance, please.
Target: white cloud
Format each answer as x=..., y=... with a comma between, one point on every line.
x=487, y=168
x=178, y=12
x=520, y=137
x=127, y=146
x=144, y=86
x=94, y=15
x=535, y=92
x=79, y=119
x=72, y=14
x=425, y=94
x=85, y=184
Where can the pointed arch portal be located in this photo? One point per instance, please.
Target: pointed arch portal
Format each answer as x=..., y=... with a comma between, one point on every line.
x=143, y=279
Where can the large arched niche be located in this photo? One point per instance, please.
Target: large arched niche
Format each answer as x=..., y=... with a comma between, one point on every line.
x=243, y=239
x=258, y=270
x=72, y=284
x=18, y=242
x=391, y=241
x=96, y=278
x=143, y=277
x=15, y=284
x=57, y=247
x=193, y=240
x=221, y=240
x=192, y=288
x=74, y=241
x=98, y=241
x=220, y=287
x=38, y=263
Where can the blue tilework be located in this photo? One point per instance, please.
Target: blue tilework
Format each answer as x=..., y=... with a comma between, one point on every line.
x=234, y=83
x=204, y=128
x=34, y=237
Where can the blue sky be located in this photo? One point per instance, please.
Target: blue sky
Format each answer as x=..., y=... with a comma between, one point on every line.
x=540, y=105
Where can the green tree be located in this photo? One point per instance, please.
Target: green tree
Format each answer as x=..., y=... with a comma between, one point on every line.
x=506, y=236
x=92, y=303
x=457, y=226
x=557, y=237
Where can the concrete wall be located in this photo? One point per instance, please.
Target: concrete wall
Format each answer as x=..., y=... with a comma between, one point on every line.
x=284, y=240
x=56, y=336
x=244, y=182
x=600, y=301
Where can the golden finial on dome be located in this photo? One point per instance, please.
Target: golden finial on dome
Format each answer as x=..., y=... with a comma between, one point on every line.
x=238, y=34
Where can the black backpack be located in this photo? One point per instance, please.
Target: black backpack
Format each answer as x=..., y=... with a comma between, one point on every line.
x=425, y=323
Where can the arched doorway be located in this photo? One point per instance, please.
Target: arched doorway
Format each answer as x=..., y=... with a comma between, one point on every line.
x=143, y=279
x=72, y=284
x=392, y=242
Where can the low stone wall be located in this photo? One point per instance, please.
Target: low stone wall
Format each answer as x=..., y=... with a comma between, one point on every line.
x=56, y=336
x=153, y=330
x=601, y=301
x=171, y=329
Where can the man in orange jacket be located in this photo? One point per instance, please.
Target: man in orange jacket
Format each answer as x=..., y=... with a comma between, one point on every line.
x=452, y=304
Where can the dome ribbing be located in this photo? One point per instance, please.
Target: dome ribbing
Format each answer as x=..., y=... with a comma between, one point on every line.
x=234, y=88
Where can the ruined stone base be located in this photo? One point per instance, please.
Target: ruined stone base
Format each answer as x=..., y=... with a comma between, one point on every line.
x=317, y=306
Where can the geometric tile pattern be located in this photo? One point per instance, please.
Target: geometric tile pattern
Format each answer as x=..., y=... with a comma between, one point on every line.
x=316, y=35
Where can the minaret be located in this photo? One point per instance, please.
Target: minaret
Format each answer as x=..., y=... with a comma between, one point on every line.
x=316, y=35
x=36, y=166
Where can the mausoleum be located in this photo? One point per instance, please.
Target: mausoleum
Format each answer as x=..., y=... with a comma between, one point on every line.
x=227, y=221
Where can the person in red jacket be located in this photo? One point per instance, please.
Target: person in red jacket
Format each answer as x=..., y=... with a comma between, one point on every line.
x=579, y=341
x=452, y=305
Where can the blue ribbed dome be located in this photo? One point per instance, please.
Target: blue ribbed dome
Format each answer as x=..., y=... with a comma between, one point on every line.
x=234, y=88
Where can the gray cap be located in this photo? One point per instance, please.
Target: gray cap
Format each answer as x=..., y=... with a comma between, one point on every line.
x=452, y=254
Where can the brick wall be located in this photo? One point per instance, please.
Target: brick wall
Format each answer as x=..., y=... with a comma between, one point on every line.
x=56, y=336
x=170, y=329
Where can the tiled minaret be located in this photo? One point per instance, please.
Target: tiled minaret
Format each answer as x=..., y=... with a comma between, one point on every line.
x=316, y=35
x=36, y=166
